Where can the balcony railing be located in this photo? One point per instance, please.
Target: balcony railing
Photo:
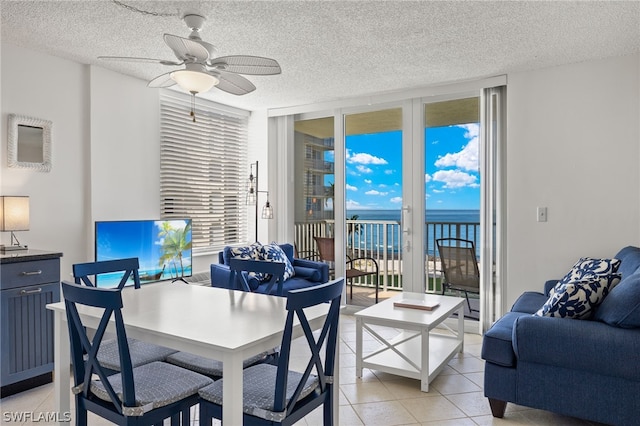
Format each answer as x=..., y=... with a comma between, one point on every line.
x=382, y=240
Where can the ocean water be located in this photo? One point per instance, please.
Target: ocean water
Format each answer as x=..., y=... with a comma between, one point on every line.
x=440, y=223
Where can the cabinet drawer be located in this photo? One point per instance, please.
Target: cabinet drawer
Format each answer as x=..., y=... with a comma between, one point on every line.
x=21, y=274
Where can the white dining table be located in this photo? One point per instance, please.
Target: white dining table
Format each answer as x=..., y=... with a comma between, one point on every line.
x=226, y=325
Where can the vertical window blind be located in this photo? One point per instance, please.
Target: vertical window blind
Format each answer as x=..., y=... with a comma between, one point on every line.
x=203, y=169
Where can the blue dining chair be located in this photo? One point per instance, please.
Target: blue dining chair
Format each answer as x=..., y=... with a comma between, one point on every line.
x=141, y=352
x=252, y=273
x=144, y=395
x=272, y=272
x=276, y=395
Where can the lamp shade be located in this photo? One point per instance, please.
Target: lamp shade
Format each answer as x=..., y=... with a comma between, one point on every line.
x=194, y=81
x=267, y=211
x=14, y=213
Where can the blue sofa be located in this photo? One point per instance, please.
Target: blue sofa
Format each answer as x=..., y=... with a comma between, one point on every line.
x=307, y=273
x=585, y=368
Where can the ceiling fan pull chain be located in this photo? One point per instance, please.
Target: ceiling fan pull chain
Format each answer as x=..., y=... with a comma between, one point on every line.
x=193, y=106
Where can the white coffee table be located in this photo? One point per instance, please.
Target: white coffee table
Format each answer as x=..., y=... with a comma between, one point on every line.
x=419, y=350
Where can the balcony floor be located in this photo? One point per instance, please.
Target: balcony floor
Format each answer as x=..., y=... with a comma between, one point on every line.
x=366, y=296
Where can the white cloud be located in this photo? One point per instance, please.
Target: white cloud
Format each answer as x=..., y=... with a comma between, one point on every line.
x=467, y=158
x=396, y=200
x=367, y=181
x=382, y=185
x=455, y=178
x=364, y=158
x=389, y=172
x=351, y=204
x=374, y=192
x=437, y=191
x=427, y=178
x=350, y=188
x=363, y=169
x=396, y=184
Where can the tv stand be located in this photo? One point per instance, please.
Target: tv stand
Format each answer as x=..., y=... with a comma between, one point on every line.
x=179, y=279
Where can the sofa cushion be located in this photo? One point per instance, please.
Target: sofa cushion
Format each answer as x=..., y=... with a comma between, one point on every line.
x=311, y=274
x=241, y=252
x=587, y=267
x=629, y=260
x=578, y=300
x=250, y=252
x=497, y=345
x=529, y=302
x=621, y=308
x=273, y=253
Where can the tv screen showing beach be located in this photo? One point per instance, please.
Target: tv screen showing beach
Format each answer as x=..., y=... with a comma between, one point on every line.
x=163, y=248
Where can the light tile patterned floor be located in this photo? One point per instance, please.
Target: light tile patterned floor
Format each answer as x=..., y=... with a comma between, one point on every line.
x=455, y=397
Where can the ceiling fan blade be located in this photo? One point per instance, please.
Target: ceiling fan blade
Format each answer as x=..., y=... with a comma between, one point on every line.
x=130, y=59
x=163, y=80
x=234, y=83
x=186, y=49
x=250, y=65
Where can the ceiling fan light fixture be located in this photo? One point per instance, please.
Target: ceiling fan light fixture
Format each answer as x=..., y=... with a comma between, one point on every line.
x=194, y=81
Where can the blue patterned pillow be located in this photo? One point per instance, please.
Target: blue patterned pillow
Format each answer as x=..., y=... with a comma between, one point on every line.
x=273, y=253
x=251, y=252
x=586, y=269
x=578, y=300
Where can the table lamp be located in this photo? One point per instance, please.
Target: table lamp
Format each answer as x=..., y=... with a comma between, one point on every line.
x=14, y=216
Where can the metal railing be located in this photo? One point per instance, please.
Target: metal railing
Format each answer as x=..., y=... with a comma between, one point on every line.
x=382, y=241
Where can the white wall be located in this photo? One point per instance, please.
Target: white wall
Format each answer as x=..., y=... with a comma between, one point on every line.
x=573, y=146
x=42, y=86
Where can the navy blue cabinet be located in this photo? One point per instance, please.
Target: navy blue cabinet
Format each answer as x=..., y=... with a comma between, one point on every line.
x=29, y=280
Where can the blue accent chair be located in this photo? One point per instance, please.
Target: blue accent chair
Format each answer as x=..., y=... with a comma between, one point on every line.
x=109, y=354
x=144, y=395
x=585, y=368
x=274, y=395
x=308, y=273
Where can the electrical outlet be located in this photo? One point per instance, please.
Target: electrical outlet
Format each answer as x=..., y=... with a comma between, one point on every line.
x=542, y=214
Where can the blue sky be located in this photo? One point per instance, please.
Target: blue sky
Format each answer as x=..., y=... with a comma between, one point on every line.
x=374, y=169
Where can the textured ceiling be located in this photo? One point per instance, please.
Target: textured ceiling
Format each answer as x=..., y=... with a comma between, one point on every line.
x=334, y=49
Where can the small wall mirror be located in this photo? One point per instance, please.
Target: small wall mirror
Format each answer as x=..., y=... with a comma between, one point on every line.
x=29, y=143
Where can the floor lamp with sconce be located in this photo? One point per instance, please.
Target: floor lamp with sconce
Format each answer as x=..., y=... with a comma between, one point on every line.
x=252, y=196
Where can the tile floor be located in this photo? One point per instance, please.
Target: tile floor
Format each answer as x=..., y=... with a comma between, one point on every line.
x=455, y=397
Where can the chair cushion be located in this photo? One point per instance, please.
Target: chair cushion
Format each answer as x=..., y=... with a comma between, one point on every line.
x=141, y=353
x=156, y=384
x=529, y=302
x=211, y=367
x=497, y=344
x=273, y=253
x=259, y=384
x=578, y=300
x=621, y=308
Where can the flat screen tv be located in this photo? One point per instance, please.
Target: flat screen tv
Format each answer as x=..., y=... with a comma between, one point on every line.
x=163, y=248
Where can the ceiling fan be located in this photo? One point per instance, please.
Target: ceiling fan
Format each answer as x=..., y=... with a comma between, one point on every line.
x=203, y=69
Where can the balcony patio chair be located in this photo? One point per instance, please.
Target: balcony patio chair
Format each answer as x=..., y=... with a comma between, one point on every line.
x=108, y=356
x=274, y=394
x=144, y=395
x=355, y=266
x=459, y=266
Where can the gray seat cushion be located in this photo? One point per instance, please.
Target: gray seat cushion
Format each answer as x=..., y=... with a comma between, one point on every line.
x=208, y=366
x=259, y=384
x=141, y=353
x=156, y=384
